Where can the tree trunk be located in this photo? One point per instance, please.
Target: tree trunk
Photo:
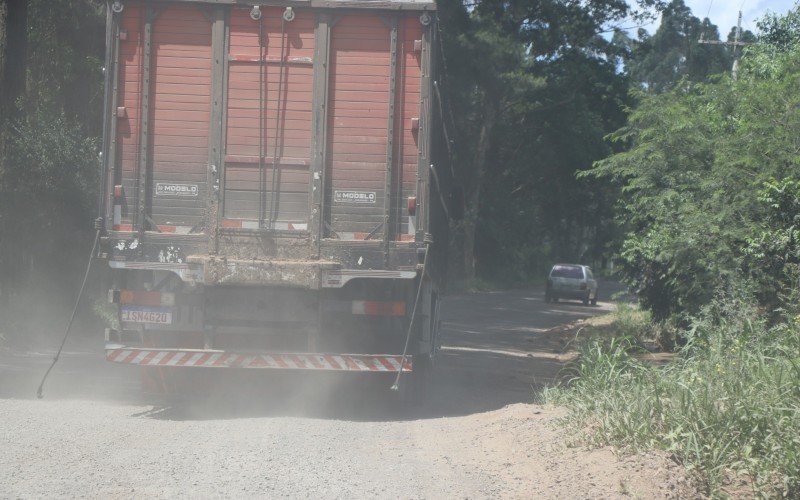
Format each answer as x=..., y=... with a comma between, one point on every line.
x=472, y=199
x=3, y=114
x=13, y=44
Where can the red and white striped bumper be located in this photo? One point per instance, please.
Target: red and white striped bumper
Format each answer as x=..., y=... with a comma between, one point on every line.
x=276, y=361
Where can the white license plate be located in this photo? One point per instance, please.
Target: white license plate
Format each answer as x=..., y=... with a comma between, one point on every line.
x=151, y=315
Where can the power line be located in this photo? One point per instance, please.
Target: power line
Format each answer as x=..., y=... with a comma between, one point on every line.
x=736, y=43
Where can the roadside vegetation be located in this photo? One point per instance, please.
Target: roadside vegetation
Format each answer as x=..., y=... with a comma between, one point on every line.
x=711, y=206
x=727, y=406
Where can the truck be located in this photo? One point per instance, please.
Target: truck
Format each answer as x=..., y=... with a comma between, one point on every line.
x=273, y=187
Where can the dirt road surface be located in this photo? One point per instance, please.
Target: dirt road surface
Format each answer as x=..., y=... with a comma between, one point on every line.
x=479, y=436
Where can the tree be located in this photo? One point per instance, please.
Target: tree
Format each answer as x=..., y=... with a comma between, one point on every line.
x=673, y=52
x=51, y=114
x=509, y=65
x=13, y=45
x=698, y=156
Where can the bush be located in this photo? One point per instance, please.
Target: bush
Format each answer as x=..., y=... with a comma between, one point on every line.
x=48, y=198
x=729, y=404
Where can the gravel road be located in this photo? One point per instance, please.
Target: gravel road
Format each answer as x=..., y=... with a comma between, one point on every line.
x=479, y=436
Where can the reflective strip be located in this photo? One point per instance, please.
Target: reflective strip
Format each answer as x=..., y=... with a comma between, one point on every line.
x=386, y=365
x=121, y=355
x=360, y=364
x=341, y=363
x=375, y=308
x=395, y=364
x=217, y=359
x=191, y=361
x=176, y=359
x=158, y=357
x=138, y=359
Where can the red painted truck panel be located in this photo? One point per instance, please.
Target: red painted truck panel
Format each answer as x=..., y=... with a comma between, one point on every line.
x=285, y=128
x=268, y=115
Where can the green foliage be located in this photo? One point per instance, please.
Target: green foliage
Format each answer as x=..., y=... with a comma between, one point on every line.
x=49, y=158
x=535, y=89
x=106, y=312
x=728, y=404
x=697, y=157
x=772, y=253
x=49, y=188
x=659, y=61
x=65, y=59
x=781, y=32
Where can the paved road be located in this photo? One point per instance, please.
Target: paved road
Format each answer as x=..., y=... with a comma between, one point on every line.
x=480, y=435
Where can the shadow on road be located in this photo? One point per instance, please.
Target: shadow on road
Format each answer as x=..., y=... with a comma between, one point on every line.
x=496, y=351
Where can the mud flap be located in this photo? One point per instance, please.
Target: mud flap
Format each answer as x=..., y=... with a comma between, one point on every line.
x=429, y=321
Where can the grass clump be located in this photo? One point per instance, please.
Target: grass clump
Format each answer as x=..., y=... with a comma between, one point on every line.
x=728, y=405
x=630, y=322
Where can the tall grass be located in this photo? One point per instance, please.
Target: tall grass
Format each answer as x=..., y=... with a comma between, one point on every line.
x=728, y=405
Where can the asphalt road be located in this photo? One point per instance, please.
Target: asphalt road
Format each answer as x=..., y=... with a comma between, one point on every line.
x=479, y=434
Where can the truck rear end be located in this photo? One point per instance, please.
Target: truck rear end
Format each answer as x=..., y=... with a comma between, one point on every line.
x=270, y=189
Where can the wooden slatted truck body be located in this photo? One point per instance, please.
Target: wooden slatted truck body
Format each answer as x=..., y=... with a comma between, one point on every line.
x=270, y=188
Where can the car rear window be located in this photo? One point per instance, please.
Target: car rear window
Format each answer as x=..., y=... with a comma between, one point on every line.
x=574, y=272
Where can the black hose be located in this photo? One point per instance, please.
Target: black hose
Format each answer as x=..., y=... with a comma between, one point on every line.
x=72, y=316
x=396, y=385
x=273, y=202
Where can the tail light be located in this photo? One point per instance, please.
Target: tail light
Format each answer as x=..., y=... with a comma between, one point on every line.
x=373, y=308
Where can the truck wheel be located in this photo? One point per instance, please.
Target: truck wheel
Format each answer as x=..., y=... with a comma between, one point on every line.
x=594, y=299
x=586, y=300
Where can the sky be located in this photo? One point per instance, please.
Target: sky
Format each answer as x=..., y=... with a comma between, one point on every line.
x=723, y=13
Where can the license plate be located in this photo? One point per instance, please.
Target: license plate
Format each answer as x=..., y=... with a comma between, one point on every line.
x=151, y=315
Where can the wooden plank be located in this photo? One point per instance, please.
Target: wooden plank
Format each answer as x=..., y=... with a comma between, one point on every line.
x=293, y=133
x=182, y=116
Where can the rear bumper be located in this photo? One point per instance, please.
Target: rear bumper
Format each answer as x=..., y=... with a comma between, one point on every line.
x=209, y=358
x=575, y=294
x=569, y=294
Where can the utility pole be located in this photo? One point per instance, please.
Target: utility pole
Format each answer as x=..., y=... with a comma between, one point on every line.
x=736, y=43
